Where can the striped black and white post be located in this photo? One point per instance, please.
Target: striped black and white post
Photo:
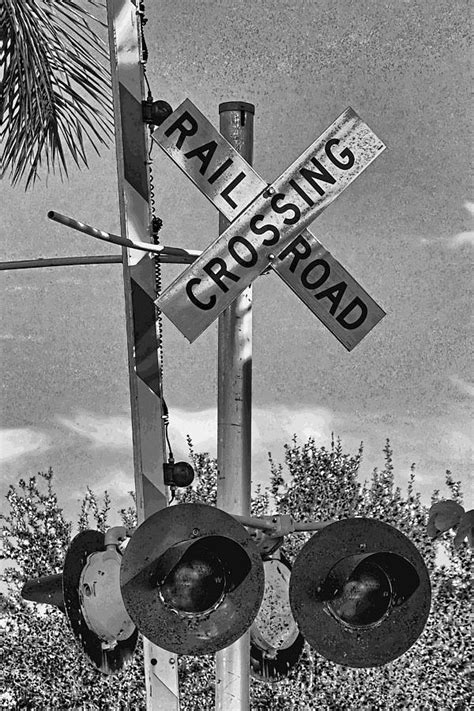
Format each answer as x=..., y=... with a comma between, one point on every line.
x=140, y=293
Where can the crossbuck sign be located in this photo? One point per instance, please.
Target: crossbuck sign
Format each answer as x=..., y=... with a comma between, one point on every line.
x=268, y=224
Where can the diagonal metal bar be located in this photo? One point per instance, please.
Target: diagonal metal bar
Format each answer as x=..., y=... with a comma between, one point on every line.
x=60, y=262
x=184, y=256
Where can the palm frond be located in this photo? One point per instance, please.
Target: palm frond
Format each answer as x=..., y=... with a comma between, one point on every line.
x=55, y=86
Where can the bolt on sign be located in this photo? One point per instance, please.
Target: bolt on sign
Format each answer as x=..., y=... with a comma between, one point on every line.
x=269, y=224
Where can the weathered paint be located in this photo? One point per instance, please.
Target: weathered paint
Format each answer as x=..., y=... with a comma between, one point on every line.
x=124, y=23
x=101, y=600
x=212, y=163
x=318, y=565
x=275, y=627
x=276, y=642
x=109, y=659
x=186, y=633
x=268, y=223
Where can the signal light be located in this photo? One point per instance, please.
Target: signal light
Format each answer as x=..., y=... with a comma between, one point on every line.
x=192, y=579
x=48, y=589
x=360, y=592
x=276, y=643
x=88, y=592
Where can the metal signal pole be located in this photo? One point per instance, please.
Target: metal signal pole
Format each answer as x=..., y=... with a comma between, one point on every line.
x=126, y=57
x=234, y=374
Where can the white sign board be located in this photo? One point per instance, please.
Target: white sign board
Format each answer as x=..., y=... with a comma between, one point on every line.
x=211, y=162
x=269, y=224
x=328, y=289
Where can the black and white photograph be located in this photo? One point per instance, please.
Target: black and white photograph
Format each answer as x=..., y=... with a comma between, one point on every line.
x=236, y=421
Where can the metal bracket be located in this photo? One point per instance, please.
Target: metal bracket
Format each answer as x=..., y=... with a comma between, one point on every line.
x=280, y=525
x=116, y=535
x=265, y=542
x=268, y=532
x=174, y=255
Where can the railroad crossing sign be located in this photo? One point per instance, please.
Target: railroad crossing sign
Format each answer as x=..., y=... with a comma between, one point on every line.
x=268, y=224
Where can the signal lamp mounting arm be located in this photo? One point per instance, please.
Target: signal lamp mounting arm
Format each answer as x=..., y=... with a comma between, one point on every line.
x=174, y=255
x=116, y=535
x=281, y=524
x=271, y=527
x=270, y=531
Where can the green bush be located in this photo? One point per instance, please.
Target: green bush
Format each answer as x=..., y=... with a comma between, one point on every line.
x=43, y=668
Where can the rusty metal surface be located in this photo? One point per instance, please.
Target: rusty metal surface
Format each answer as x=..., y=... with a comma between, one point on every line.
x=275, y=626
x=328, y=290
x=276, y=642
x=202, y=155
x=355, y=312
x=358, y=646
x=202, y=633
x=263, y=230
x=107, y=660
x=101, y=600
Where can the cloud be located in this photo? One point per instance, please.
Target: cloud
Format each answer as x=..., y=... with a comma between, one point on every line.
x=435, y=443
x=459, y=445
x=200, y=425
x=15, y=442
x=461, y=239
x=117, y=482
x=21, y=337
x=469, y=205
x=455, y=241
x=462, y=385
x=102, y=431
x=281, y=423
x=96, y=450
x=22, y=287
x=464, y=238
x=272, y=427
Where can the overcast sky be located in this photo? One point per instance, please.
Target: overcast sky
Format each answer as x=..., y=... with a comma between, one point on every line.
x=402, y=229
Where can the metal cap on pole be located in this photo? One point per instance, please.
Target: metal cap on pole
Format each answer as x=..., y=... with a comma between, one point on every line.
x=234, y=419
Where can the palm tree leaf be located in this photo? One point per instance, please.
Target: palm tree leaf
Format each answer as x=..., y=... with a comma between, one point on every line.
x=55, y=86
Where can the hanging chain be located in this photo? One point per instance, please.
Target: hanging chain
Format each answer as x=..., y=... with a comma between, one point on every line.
x=156, y=224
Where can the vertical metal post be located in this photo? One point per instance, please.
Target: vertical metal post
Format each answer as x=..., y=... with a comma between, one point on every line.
x=125, y=40
x=234, y=373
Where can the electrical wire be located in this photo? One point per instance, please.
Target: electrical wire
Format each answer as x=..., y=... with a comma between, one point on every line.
x=156, y=224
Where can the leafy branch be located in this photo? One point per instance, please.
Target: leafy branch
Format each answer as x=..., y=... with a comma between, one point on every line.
x=55, y=86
